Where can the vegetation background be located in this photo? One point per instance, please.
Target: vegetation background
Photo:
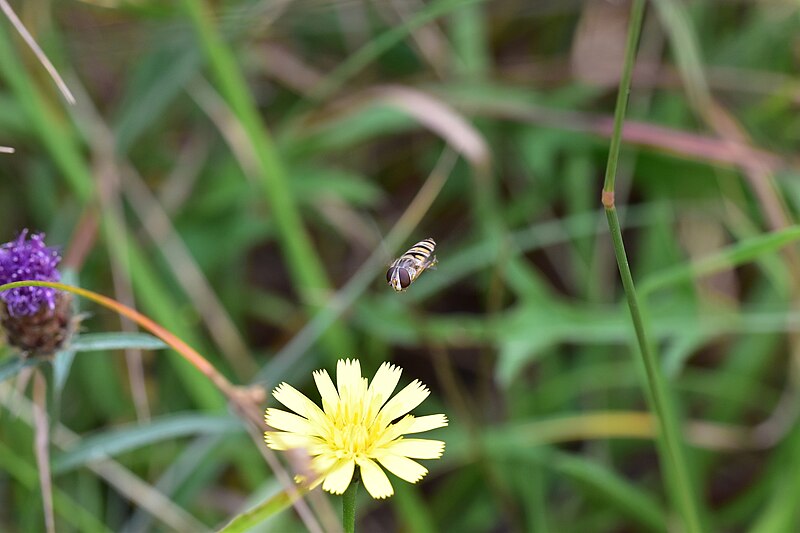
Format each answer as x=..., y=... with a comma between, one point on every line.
x=243, y=171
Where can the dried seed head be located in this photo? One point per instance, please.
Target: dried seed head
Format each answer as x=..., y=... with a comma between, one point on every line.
x=43, y=333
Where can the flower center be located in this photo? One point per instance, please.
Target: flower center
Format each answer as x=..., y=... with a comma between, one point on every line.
x=350, y=433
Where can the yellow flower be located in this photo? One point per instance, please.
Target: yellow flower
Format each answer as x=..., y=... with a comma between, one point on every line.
x=356, y=426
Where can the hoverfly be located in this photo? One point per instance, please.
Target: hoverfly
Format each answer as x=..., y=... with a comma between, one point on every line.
x=404, y=270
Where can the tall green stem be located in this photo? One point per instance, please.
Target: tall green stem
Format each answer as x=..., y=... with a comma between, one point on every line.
x=671, y=446
x=349, y=506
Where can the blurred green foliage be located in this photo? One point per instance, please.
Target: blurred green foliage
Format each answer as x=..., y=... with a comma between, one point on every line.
x=229, y=166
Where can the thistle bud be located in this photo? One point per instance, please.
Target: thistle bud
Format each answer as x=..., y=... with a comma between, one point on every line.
x=36, y=320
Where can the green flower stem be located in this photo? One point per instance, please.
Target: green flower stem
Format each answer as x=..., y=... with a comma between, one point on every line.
x=671, y=446
x=349, y=506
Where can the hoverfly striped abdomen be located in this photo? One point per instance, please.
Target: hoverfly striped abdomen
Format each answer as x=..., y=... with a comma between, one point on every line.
x=404, y=270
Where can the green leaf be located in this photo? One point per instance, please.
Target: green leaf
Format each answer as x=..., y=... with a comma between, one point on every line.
x=92, y=342
x=261, y=512
x=737, y=254
x=129, y=438
x=62, y=363
x=530, y=329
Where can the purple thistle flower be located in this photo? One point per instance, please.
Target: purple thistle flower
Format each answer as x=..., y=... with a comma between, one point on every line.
x=28, y=260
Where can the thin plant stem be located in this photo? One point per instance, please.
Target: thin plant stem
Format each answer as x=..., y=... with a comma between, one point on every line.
x=42, y=448
x=37, y=51
x=634, y=29
x=246, y=400
x=349, y=506
x=63, y=143
x=671, y=446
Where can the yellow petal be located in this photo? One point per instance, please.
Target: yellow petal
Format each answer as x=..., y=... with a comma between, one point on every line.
x=278, y=419
x=375, y=480
x=405, y=400
x=348, y=376
x=394, y=431
x=416, y=448
x=427, y=423
x=327, y=391
x=402, y=467
x=384, y=383
x=324, y=463
x=280, y=440
x=318, y=446
x=338, y=478
x=298, y=402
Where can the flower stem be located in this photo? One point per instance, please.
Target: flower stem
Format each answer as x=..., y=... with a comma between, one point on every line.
x=671, y=446
x=349, y=506
x=245, y=400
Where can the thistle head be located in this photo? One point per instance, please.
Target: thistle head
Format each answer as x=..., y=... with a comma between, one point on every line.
x=25, y=259
x=36, y=320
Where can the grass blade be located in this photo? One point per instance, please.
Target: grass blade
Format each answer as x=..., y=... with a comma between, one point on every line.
x=92, y=342
x=307, y=272
x=124, y=439
x=258, y=514
x=40, y=55
x=384, y=42
x=41, y=425
x=12, y=367
x=17, y=467
x=742, y=252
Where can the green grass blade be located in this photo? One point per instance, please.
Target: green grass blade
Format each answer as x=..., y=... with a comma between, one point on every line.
x=13, y=366
x=54, y=134
x=781, y=512
x=88, y=342
x=411, y=505
x=258, y=514
x=740, y=253
x=66, y=508
x=597, y=480
x=123, y=439
x=62, y=364
x=683, y=41
x=60, y=141
x=309, y=277
x=145, y=106
x=384, y=42
x=608, y=486
x=469, y=40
